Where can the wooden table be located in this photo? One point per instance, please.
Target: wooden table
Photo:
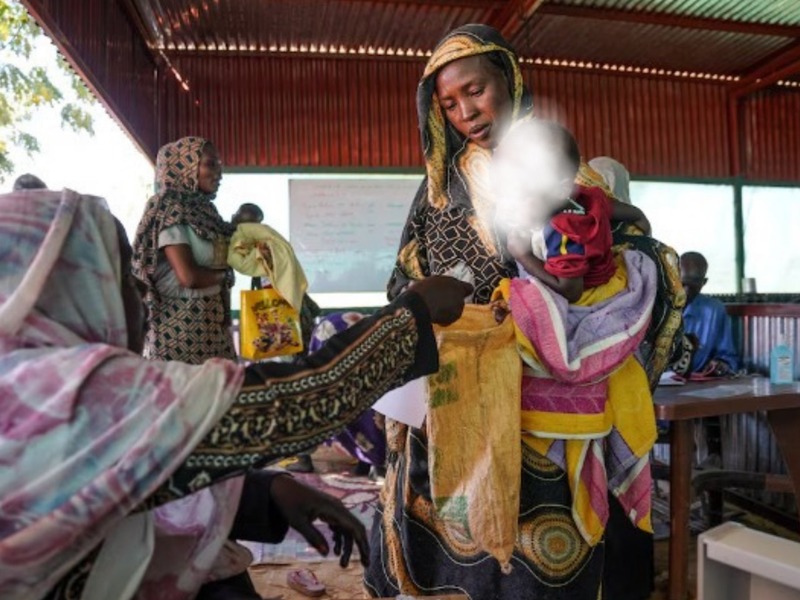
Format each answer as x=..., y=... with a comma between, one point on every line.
x=681, y=404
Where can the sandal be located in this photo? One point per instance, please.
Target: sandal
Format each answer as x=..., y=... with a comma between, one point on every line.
x=305, y=582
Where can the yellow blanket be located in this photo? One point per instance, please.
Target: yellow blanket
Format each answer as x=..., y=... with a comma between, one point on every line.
x=258, y=250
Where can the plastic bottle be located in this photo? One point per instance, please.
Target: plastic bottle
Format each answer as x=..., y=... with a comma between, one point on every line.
x=781, y=362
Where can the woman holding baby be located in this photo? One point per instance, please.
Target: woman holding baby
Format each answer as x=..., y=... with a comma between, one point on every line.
x=470, y=94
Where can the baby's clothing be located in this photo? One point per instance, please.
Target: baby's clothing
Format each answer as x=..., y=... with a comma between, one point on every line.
x=576, y=242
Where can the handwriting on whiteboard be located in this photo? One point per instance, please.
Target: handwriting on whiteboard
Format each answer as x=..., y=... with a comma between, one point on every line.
x=346, y=232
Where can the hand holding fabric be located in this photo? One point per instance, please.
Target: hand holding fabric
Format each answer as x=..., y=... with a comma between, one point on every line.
x=444, y=297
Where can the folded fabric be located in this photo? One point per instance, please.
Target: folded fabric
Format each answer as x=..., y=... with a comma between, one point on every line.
x=258, y=250
x=586, y=402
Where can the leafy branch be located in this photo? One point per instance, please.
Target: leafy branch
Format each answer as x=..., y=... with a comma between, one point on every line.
x=25, y=89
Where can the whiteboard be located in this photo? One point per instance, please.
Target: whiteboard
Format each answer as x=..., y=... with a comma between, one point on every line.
x=346, y=232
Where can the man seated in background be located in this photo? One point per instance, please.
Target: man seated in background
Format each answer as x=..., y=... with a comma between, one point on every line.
x=715, y=355
x=705, y=318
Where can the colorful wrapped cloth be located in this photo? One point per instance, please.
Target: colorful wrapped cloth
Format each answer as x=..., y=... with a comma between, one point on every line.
x=586, y=402
x=365, y=438
x=664, y=343
x=80, y=453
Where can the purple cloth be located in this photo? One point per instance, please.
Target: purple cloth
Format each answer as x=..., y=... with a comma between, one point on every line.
x=365, y=438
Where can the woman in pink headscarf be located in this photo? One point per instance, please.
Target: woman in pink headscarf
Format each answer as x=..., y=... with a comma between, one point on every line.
x=125, y=478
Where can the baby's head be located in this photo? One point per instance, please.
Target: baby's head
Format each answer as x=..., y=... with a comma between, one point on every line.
x=534, y=168
x=247, y=213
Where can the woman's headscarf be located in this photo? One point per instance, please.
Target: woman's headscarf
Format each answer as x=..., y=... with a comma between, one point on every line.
x=615, y=175
x=457, y=174
x=440, y=140
x=88, y=430
x=177, y=201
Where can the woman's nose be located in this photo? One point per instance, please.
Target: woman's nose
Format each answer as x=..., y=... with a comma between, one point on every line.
x=468, y=111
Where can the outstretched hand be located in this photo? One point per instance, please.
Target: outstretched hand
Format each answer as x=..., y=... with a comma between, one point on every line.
x=444, y=297
x=301, y=505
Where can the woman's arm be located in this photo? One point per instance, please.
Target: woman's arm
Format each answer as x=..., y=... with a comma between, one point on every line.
x=188, y=272
x=285, y=408
x=519, y=246
x=620, y=211
x=569, y=287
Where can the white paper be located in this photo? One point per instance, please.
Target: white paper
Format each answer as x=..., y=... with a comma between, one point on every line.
x=670, y=378
x=405, y=404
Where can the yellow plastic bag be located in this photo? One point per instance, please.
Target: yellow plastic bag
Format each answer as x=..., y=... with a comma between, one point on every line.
x=474, y=446
x=269, y=325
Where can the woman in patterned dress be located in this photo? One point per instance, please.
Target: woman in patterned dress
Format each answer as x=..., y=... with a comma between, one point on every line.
x=470, y=91
x=126, y=477
x=180, y=254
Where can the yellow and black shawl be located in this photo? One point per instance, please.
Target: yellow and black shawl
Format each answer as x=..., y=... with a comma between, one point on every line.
x=451, y=215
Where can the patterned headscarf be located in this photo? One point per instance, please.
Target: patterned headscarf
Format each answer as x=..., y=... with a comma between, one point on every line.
x=178, y=201
x=88, y=430
x=440, y=140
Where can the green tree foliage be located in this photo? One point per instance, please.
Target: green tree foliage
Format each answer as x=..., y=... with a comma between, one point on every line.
x=25, y=89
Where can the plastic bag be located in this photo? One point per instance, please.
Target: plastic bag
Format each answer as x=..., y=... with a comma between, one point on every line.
x=269, y=325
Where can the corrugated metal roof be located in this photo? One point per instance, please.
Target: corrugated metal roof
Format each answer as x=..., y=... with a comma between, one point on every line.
x=602, y=31
x=643, y=45
x=283, y=109
x=258, y=25
x=778, y=12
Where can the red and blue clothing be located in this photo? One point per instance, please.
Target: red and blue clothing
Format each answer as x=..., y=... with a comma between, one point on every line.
x=578, y=240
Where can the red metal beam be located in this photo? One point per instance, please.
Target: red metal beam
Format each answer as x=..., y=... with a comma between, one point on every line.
x=736, y=139
x=778, y=59
x=790, y=69
x=145, y=15
x=514, y=15
x=669, y=20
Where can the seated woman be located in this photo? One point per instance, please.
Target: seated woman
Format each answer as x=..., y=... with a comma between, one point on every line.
x=129, y=476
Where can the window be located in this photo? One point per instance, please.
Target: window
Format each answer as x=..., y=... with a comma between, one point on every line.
x=772, y=254
x=345, y=229
x=699, y=217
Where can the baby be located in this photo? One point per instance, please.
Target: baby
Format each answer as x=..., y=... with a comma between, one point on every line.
x=558, y=232
x=247, y=213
